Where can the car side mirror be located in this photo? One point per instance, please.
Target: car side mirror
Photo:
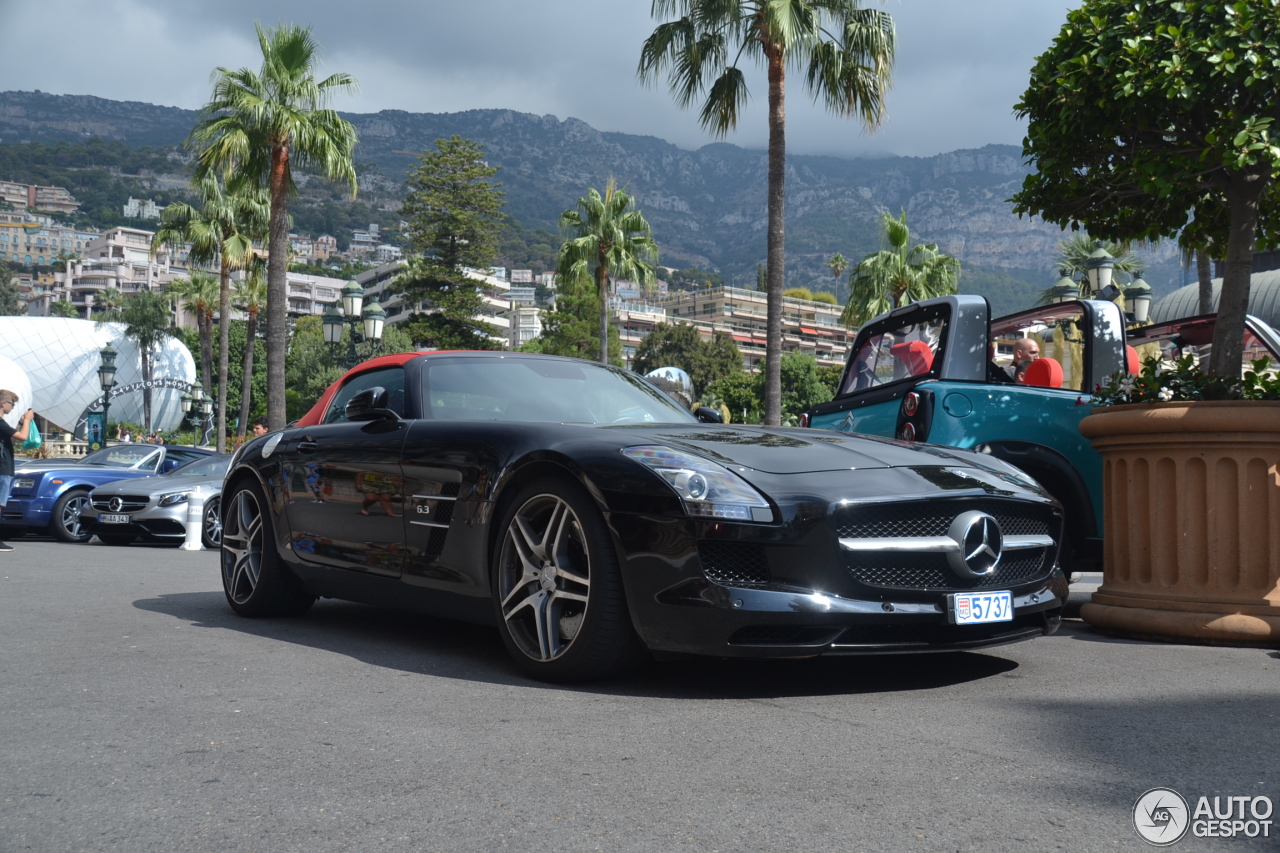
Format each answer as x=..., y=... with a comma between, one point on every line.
x=708, y=415
x=168, y=465
x=370, y=405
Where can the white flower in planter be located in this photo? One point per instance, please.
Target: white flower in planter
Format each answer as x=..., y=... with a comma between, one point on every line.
x=1165, y=395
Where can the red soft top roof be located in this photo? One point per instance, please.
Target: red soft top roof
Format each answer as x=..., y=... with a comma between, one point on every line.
x=313, y=416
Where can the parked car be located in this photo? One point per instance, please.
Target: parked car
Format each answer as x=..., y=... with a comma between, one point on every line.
x=935, y=371
x=155, y=508
x=53, y=499
x=588, y=516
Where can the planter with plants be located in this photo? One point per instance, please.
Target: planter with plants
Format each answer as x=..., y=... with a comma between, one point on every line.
x=1191, y=497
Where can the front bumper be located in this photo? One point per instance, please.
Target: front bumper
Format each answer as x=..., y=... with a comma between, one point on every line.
x=162, y=523
x=745, y=622
x=27, y=512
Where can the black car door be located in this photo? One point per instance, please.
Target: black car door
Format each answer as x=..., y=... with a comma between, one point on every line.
x=346, y=486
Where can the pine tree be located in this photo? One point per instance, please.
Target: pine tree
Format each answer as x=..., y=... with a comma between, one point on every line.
x=454, y=216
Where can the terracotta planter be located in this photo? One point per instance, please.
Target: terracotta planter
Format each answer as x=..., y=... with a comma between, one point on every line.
x=1191, y=496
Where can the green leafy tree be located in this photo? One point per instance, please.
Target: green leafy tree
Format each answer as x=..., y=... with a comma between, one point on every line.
x=10, y=304
x=897, y=274
x=455, y=215
x=847, y=52
x=255, y=129
x=569, y=328
x=199, y=295
x=251, y=298
x=681, y=345
x=1150, y=119
x=608, y=238
x=802, y=384
x=221, y=230
x=63, y=308
x=742, y=394
x=109, y=302
x=148, y=321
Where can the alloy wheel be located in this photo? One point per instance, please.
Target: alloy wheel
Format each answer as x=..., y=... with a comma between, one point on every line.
x=544, y=577
x=213, y=523
x=70, y=517
x=242, y=546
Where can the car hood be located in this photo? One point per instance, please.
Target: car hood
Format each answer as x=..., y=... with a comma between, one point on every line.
x=793, y=451
x=157, y=484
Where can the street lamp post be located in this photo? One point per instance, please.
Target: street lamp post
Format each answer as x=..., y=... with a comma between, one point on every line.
x=360, y=321
x=107, y=379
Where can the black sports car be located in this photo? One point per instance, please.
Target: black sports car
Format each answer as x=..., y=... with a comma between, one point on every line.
x=591, y=518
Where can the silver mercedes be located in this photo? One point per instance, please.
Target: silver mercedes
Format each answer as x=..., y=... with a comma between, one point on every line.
x=155, y=508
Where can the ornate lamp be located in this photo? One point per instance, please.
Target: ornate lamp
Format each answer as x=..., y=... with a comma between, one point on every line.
x=1138, y=297
x=1064, y=290
x=352, y=298
x=1101, y=265
x=374, y=319
x=333, y=323
x=186, y=402
x=107, y=369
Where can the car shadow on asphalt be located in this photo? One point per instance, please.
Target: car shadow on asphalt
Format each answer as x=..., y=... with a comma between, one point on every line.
x=428, y=645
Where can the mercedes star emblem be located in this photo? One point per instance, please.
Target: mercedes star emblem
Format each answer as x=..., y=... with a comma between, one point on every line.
x=115, y=503
x=980, y=541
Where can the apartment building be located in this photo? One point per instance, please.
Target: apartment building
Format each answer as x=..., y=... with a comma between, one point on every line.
x=23, y=196
x=521, y=277
x=118, y=260
x=634, y=320
x=365, y=242
x=386, y=254
x=526, y=324
x=311, y=294
x=28, y=239
x=813, y=328
x=141, y=208
x=377, y=288
x=323, y=247
x=522, y=296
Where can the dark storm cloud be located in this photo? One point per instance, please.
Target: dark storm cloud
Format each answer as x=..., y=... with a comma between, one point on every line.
x=960, y=68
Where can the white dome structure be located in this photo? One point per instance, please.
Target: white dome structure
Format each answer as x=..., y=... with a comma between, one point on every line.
x=14, y=378
x=60, y=357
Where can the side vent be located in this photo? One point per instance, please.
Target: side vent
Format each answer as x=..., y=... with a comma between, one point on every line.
x=734, y=563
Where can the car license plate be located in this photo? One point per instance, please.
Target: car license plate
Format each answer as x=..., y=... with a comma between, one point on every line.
x=975, y=608
x=112, y=519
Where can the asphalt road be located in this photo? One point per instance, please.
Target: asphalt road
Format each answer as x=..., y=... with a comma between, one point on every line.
x=137, y=713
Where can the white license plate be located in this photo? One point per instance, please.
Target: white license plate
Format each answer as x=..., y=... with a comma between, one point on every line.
x=975, y=608
x=113, y=519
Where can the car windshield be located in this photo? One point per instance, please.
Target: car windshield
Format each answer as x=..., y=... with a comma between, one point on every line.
x=121, y=455
x=213, y=466
x=511, y=388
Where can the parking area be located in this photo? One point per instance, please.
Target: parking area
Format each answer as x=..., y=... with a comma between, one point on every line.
x=137, y=713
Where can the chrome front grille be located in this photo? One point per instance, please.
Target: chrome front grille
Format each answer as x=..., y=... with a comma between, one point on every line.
x=128, y=503
x=899, y=545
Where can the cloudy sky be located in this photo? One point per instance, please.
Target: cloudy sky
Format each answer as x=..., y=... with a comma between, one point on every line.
x=960, y=67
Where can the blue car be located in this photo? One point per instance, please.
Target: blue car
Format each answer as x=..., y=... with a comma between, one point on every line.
x=51, y=499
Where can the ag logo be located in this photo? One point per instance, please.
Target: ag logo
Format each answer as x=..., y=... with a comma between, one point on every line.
x=1160, y=817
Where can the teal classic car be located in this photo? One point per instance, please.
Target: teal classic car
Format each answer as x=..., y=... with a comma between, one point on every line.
x=941, y=372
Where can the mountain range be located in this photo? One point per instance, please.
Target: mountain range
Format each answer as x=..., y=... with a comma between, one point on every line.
x=707, y=207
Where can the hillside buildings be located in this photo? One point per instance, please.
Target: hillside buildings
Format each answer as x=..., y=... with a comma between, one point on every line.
x=24, y=196
x=32, y=239
x=141, y=208
x=377, y=288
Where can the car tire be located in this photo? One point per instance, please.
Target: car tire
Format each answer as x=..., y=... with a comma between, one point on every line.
x=65, y=524
x=255, y=579
x=211, y=524
x=116, y=540
x=557, y=588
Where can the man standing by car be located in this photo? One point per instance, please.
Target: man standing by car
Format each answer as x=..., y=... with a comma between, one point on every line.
x=260, y=427
x=8, y=400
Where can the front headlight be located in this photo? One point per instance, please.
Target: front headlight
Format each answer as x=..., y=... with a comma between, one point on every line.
x=24, y=483
x=174, y=498
x=706, y=490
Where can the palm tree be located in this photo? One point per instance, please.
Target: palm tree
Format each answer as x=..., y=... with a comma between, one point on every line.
x=609, y=238
x=222, y=229
x=63, y=308
x=848, y=52
x=147, y=321
x=199, y=295
x=256, y=127
x=1074, y=252
x=898, y=274
x=109, y=303
x=837, y=264
x=251, y=298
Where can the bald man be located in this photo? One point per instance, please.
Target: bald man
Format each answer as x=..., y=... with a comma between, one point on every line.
x=1025, y=351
